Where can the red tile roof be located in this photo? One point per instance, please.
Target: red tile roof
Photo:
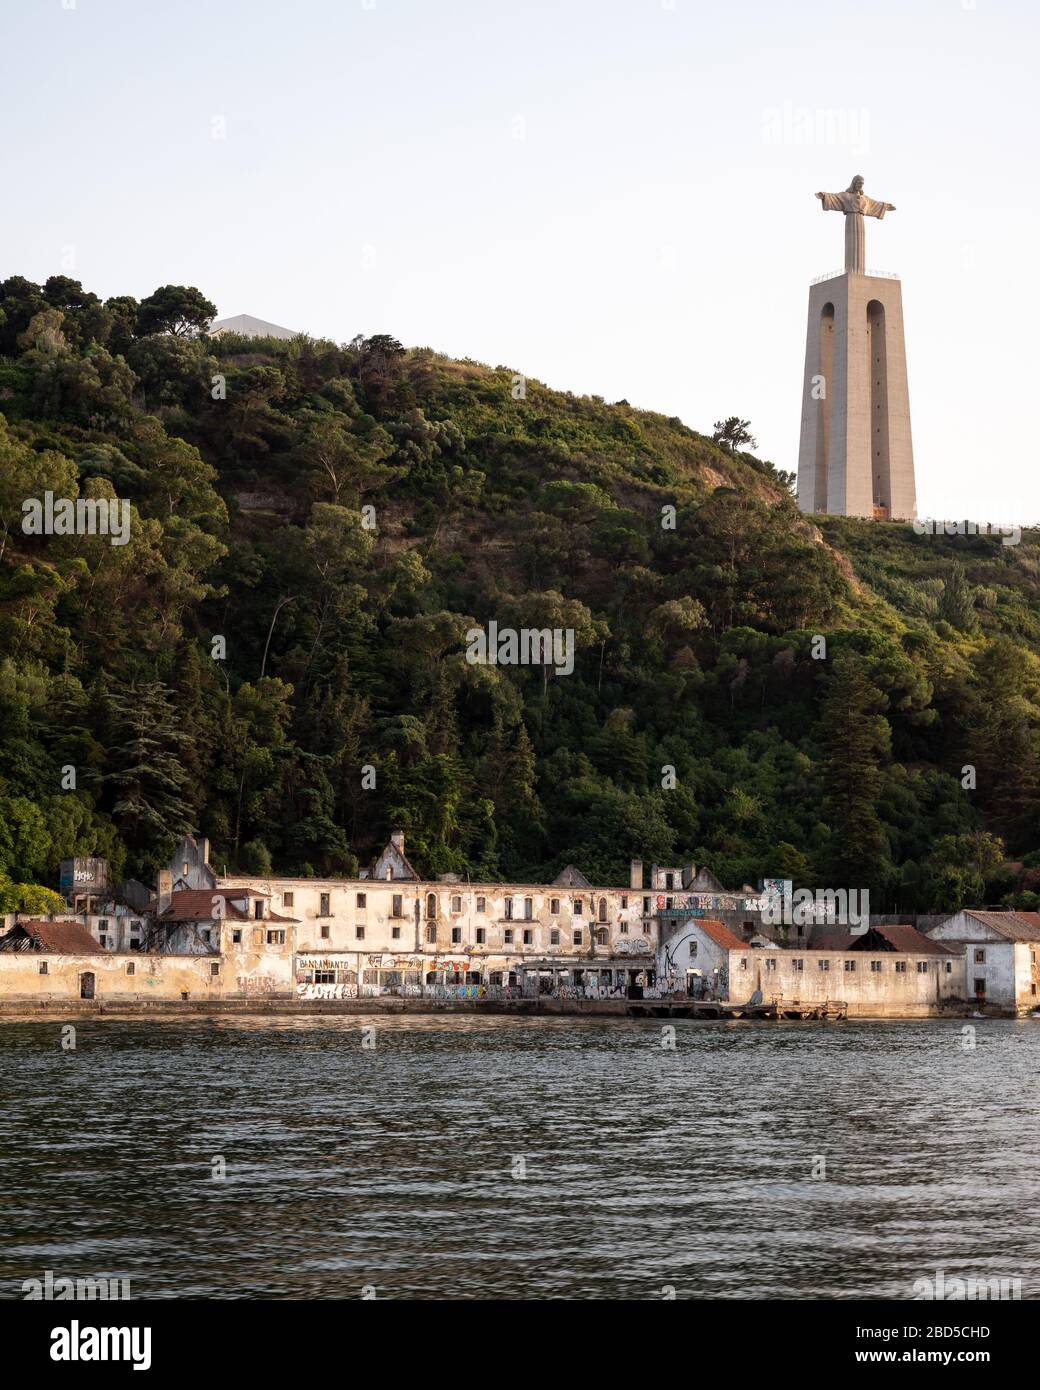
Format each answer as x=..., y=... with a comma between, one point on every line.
x=721, y=935
x=63, y=938
x=903, y=937
x=196, y=905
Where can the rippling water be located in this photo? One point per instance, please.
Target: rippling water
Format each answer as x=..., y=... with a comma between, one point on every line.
x=645, y=1168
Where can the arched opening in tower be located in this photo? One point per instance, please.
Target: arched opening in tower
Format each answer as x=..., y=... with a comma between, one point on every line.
x=877, y=366
x=822, y=388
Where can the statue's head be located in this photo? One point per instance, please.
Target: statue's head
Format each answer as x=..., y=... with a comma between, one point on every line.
x=856, y=186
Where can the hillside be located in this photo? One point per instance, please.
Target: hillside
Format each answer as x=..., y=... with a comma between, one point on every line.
x=315, y=527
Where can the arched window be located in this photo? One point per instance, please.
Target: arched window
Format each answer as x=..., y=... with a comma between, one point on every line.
x=602, y=909
x=431, y=904
x=603, y=937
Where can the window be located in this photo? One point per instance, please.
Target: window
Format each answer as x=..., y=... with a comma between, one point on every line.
x=395, y=933
x=602, y=909
x=922, y=967
x=579, y=907
x=669, y=881
x=102, y=940
x=771, y=963
x=554, y=937
x=481, y=936
x=287, y=900
x=528, y=909
x=623, y=929
x=646, y=907
x=980, y=957
x=603, y=937
x=509, y=909
x=456, y=936
x=236, y=936
x=948, y=968
x=103, y=924
x=875, y=967
x=431, y=905
x=850, y=965
x=361, y=900
x=324, y=977
x=554, y=907
x=577, y=936
x=323, y=905
x=507, y=936
x=691, y=949
x=824, y=964
x=130, y=967
x=980, y=985
x=900, y=967
x=258, y=936
x=276, y=938
x=43, y=967
x=456, y=903
x=624, y=902
x=743, y=962
x=431, y=933
x=359, y=932
x=528, y=937
x=258, y=909
x=481, y=905
x=325, y=931
x=798, y=964
x=397, y=905
x=215, y=968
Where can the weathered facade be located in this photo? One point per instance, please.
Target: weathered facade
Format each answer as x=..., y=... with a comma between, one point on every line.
x=896, y=975
x=1001, y=957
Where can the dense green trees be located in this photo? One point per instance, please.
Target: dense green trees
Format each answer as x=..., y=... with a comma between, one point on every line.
x=277, y=657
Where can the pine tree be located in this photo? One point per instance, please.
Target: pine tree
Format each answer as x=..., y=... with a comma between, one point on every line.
x=149, y=784
x=856, y=740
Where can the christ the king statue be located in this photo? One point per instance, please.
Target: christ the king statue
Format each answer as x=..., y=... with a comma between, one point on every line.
x=855, y=204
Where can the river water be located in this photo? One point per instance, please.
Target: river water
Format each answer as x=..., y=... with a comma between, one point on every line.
x=506, y=1157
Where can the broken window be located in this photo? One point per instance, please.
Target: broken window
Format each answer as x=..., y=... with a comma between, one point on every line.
x=323, y=905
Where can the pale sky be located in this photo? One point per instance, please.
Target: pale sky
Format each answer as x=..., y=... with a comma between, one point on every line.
x=613, y=196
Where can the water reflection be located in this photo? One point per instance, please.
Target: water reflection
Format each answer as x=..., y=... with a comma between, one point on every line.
x=492, y=1157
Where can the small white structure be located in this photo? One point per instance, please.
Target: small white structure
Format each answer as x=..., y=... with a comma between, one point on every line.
x=248, y=327
x=1001, y=956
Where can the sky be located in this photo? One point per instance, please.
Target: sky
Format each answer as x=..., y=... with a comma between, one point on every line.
x=612, y=196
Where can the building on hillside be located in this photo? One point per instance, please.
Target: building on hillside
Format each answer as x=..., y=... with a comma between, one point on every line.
x=391, y=930
x=1001, y=956
x=681, y=895
x=83, y=883
x=894, y=972
x=246, y=326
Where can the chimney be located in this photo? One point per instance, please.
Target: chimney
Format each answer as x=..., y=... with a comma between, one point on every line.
x=164, y=892
x=635, y=877
x=397, y=840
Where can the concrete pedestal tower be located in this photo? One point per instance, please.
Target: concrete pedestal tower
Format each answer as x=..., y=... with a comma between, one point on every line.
x=856, y=456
